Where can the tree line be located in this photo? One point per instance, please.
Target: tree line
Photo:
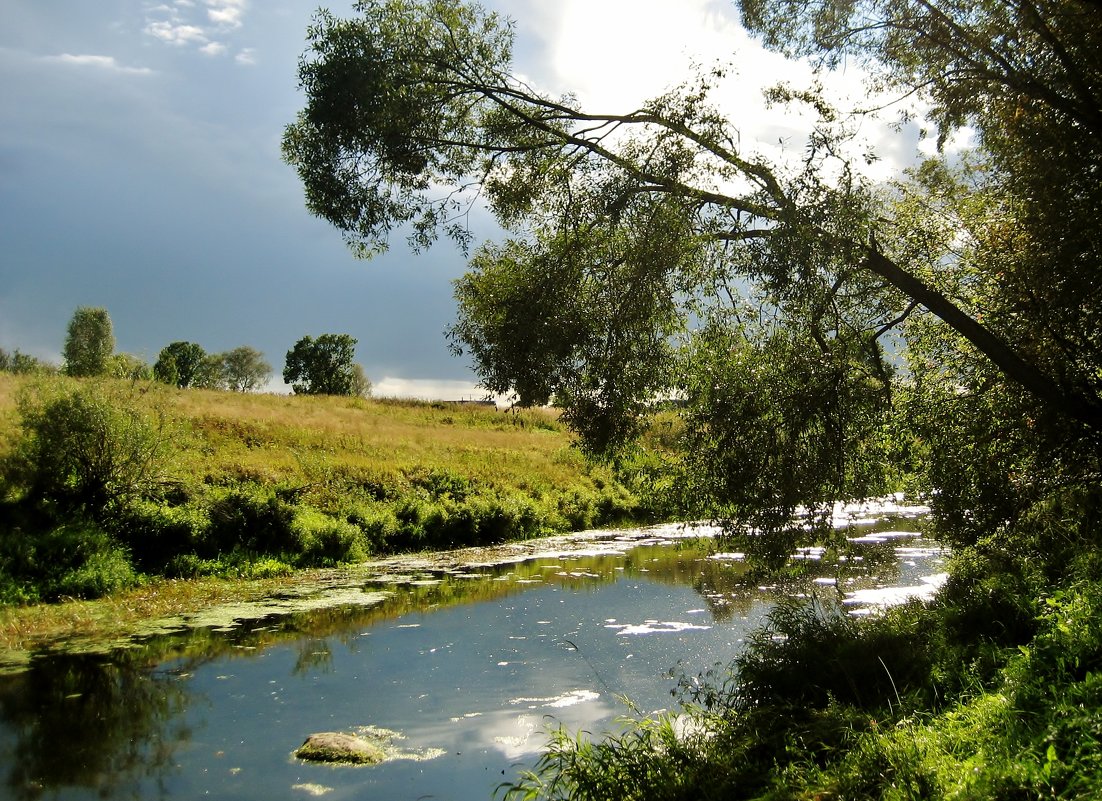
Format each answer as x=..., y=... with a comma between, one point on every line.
x=321, y=366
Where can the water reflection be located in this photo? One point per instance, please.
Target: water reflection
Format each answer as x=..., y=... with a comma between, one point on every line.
x=467, y=663
x=107, y=726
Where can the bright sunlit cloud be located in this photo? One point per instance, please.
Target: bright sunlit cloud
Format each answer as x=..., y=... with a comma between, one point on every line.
x=184, y=23
x=227, y=13
x=616, y=54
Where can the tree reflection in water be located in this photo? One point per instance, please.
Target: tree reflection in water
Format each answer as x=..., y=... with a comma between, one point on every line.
x=91, y=721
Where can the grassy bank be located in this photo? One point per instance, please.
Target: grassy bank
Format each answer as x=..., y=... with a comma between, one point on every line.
x=258, y=485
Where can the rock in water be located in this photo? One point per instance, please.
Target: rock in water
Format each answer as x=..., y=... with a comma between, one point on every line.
x=332, y=746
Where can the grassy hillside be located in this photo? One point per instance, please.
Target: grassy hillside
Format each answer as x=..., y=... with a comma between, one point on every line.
x=259, y=484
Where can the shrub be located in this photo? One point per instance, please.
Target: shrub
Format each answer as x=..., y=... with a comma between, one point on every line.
x=324, y=540
x=377, y=522
x=867, y=663
x=43, y=562
x=440, y=483
x=86, y=450
x=255, y=520
x=156, y=533
x=189, y=566
x=104, y=571
x=268, y=568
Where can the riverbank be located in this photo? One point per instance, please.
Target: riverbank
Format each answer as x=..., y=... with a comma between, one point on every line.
x=169, y=605
x=257, y=486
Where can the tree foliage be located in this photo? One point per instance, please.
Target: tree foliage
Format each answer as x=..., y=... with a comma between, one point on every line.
x=128, y=366
x=89, y=342
x=244, y=369
x=651, y=254
x=22, y=363
x=323, y=366
x=180, y=363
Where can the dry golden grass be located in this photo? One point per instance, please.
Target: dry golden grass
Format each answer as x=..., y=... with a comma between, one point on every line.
x=299, y=438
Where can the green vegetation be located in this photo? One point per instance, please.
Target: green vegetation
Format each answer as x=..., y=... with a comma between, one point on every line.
x=821, y=336
x=324, y=366
x=108, y=483
x=186, y=364
x=89, y=342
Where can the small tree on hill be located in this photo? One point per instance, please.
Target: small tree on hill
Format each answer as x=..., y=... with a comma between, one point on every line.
x=322, y=366
x=245, y=369
x=361, y=384
x=89, y=342
x=211, y=373
x=127, y=365
x=179, y=363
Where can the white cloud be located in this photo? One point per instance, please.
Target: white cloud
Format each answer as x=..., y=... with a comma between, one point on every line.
x=226, y=13
x=176, y=33
x=247, y=56
x=615, y=54
x=429, y=389
x=98, y=62
x=183, y=24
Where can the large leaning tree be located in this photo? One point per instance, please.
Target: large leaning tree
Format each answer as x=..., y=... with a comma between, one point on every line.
x=811, y=325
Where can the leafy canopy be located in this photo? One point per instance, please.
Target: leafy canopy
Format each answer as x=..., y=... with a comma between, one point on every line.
x=324, y=366
x=811, y=327
x=245, y=369
x=89, y=342
x=180, y=363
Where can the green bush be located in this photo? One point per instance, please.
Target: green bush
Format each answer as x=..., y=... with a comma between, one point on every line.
x=85, y=450
x=377, y=521
x=440, y=483
x=156, y=533
x=40, y=561
x=268, y=568
x=252, y=519
x=190, y=566
x=104, y=571
x=324, y=540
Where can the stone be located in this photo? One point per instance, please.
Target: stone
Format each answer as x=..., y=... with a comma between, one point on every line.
x=332, y=746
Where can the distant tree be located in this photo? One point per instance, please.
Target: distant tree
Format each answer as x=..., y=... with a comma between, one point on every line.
x=179, y=363
x=89, y=342
x=361, y=384
x=22, y=363
x=245, y=369
x=126, y=365
x=211, y=373
x=322, y=366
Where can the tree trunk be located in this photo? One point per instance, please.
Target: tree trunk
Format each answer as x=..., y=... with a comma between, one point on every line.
x=1033, y=380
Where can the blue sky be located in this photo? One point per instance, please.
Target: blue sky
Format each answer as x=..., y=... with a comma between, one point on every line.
x=140, y=171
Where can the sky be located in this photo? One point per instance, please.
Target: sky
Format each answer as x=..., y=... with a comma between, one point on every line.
x=140, y=171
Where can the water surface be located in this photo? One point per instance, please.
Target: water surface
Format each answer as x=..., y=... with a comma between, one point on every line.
x=468, y=664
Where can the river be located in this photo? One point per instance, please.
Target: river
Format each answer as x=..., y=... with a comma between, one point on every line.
x=462, y=661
